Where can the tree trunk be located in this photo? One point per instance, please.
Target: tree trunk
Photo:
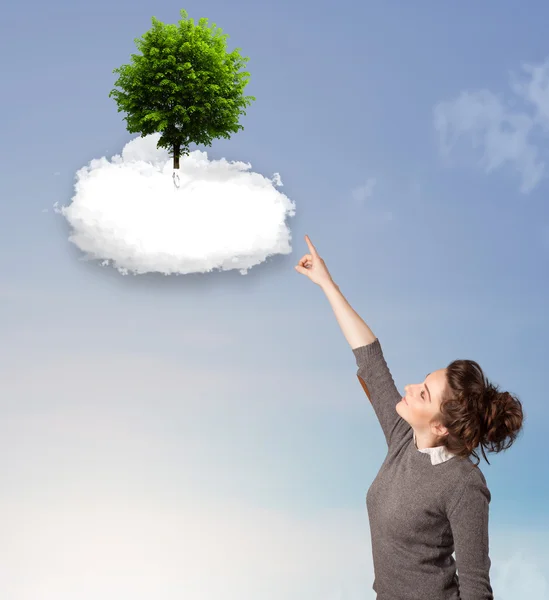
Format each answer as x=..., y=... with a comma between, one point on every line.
x=176, y=149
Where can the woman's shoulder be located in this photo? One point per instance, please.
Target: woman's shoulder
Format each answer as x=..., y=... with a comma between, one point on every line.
x=471, y=471
x=468, y=483
x=466, y=471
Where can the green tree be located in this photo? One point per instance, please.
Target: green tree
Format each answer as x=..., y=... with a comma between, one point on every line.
x=184, y=84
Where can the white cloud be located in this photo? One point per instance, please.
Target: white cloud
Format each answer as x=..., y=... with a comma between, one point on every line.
x=131, y=213
x=361, y=193
x=505, y=135
x=520, y=564
x=534, y=89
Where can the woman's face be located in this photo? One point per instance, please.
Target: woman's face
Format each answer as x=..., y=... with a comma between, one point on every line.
x=420, y=405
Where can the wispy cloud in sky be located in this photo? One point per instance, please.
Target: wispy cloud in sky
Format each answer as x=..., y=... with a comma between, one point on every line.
x=362, y=192
x=505, y=133
x=534, y=89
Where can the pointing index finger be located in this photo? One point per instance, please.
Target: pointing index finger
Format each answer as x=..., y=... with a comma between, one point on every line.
x=311, y=247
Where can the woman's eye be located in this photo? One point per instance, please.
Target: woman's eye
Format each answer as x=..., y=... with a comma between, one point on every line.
x=423, y=394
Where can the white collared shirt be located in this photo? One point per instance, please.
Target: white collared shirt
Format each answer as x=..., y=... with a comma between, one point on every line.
x=439, y=454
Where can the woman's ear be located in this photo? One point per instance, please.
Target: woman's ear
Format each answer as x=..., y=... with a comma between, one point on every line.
x=439, y=430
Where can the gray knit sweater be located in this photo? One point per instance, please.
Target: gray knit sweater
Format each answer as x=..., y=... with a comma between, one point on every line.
x=422, y=510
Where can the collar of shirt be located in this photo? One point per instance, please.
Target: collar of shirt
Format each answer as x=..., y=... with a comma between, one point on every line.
x=439, y=454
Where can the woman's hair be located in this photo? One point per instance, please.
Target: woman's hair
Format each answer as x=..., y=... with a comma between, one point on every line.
x=476, y=413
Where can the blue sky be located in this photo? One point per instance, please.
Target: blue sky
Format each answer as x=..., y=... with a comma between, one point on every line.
x=207, y=432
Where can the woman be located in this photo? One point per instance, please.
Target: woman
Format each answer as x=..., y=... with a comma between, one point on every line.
x=428, y=499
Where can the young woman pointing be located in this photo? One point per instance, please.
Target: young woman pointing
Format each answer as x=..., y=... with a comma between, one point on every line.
x=428, y=499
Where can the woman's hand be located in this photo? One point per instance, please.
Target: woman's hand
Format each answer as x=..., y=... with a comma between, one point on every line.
x=313, y=266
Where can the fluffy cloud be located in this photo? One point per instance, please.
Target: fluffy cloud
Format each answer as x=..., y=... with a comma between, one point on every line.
x=135, y=213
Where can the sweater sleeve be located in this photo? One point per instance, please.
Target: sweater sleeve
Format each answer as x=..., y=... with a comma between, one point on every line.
x=377, y=382
x=469, y=523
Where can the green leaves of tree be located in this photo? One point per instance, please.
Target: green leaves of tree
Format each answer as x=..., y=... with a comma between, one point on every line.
x=184, y=84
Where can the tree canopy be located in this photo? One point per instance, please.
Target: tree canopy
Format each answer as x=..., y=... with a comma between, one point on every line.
x=184, y=84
